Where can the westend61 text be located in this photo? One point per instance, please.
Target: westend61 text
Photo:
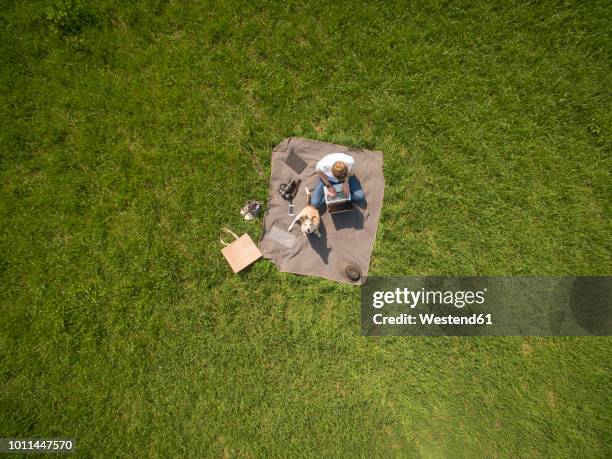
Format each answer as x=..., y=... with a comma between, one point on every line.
x=432, y=319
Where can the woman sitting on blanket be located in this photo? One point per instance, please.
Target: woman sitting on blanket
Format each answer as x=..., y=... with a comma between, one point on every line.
x=333, y=169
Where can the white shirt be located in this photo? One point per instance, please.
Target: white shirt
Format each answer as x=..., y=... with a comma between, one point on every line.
x=326, y=163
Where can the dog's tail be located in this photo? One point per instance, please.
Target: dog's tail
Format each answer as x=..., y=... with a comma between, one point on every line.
x=308, y=196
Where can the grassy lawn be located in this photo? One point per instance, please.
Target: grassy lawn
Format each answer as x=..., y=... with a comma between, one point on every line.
x=130, y=132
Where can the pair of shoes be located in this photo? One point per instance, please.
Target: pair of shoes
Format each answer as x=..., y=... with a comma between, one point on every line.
x=251, y=209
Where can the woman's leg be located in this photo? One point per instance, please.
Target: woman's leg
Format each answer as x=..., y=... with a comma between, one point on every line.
x=357, y=194
x=318, y=194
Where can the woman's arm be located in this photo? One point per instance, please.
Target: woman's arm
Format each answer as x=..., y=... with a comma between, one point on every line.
x=324, y=178
x=345, y=186
x=330, y=189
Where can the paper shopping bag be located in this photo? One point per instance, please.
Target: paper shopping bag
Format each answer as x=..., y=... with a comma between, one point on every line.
x=241, y=252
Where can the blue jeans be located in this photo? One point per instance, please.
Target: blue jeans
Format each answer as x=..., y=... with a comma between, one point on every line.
x=318, y=194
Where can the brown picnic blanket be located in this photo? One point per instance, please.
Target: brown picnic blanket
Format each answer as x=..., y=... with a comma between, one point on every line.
x=346, y=238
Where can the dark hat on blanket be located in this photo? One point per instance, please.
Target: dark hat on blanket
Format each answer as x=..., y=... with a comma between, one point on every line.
x=352, y=272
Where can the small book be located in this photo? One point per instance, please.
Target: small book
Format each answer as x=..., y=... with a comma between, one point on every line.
x=295, y=162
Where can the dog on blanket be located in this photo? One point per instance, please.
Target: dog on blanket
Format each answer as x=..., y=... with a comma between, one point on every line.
x=309, y=218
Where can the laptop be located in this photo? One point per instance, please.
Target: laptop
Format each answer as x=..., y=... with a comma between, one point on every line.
x=340, y=202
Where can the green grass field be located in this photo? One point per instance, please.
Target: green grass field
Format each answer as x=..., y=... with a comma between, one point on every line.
x=132, y=131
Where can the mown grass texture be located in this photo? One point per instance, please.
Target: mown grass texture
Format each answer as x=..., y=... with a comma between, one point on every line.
x=132, y=131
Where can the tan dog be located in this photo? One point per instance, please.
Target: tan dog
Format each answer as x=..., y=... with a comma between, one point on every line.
x=308, y=217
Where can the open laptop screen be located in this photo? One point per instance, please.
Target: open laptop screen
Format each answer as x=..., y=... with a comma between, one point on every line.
x=340, y=197
x=340, y=202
